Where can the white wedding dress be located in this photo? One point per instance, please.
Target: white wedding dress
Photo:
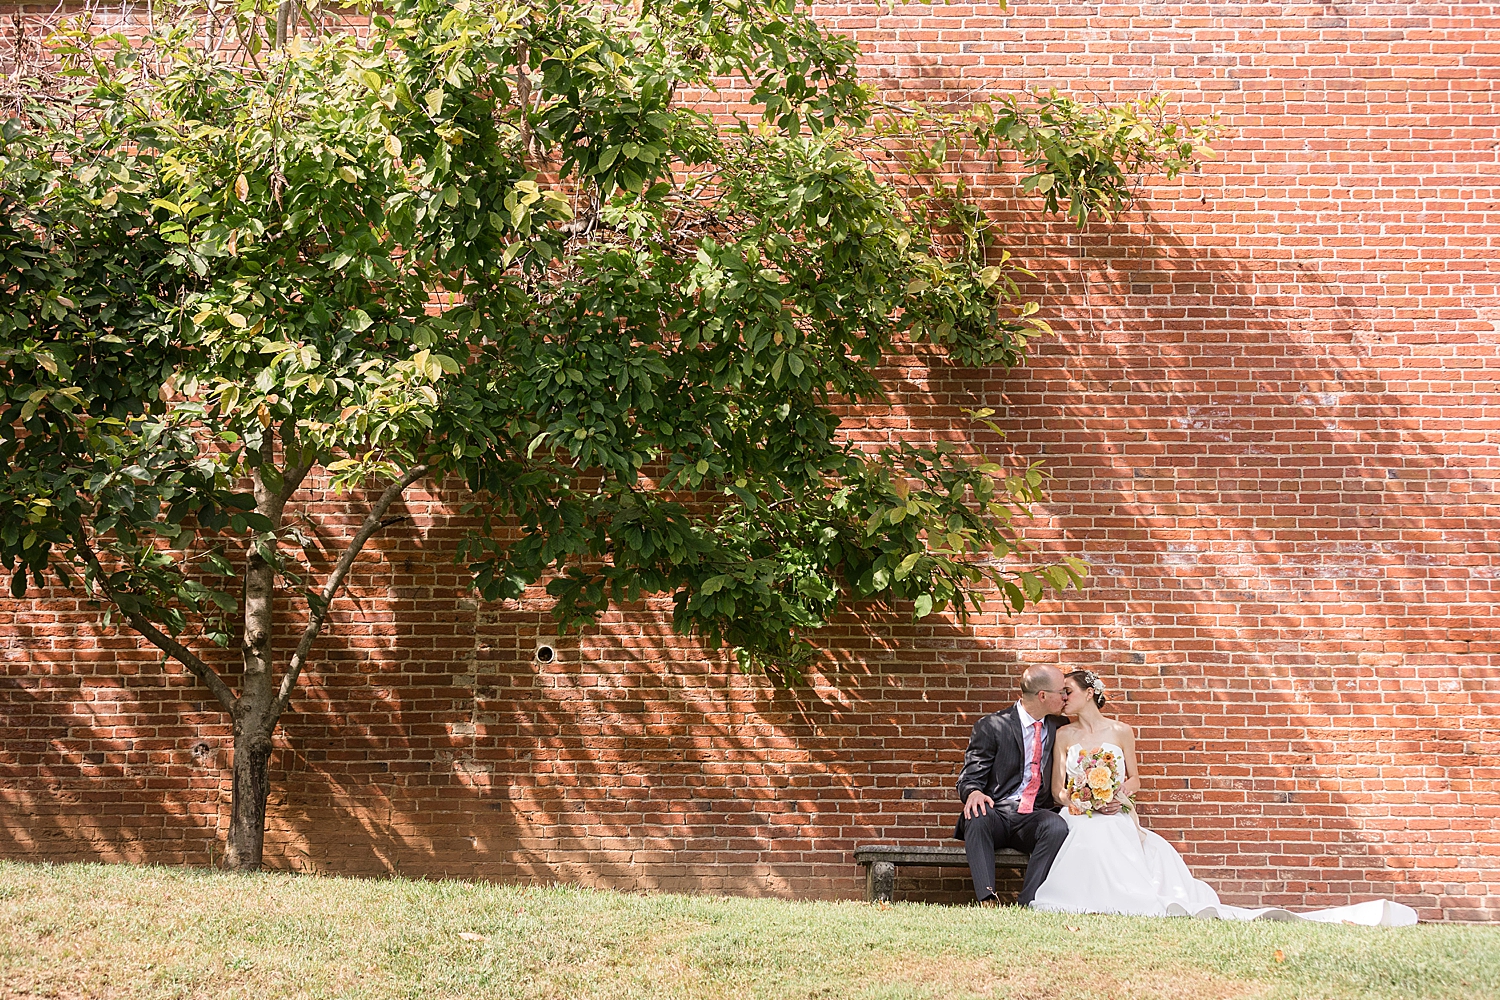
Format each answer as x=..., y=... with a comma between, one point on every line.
x=1111, y=864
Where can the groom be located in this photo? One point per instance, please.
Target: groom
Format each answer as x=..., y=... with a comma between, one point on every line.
x=1006, y=786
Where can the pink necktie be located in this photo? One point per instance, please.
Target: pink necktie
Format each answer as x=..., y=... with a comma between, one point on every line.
x=1028, y=794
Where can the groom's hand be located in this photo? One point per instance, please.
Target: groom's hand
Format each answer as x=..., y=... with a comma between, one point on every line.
x=977, y=804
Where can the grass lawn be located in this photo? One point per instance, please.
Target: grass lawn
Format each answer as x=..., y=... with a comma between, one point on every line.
x=77, y=931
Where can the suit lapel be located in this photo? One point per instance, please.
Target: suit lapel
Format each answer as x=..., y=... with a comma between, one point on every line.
x=1017, y=735
x=1012, y=720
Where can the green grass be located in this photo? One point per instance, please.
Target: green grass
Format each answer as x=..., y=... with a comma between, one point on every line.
x=77, y=931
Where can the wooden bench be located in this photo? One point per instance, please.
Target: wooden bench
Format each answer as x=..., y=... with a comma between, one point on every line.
x=880, y=861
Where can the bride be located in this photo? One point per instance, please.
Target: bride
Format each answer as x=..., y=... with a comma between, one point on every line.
x=1110, y=863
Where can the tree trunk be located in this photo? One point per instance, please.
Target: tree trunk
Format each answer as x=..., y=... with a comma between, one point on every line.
x=255, y=712
x=252, y=785
x=260, y=704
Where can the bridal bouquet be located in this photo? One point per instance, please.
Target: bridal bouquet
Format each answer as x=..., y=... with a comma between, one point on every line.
x=1093, y=784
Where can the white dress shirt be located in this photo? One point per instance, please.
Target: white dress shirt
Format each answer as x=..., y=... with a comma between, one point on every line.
x=1028, y=735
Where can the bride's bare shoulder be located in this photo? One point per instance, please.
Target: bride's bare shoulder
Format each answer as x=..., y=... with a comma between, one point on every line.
x=1120, y=730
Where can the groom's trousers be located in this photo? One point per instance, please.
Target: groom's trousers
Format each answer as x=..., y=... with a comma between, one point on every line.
x=1040, y=834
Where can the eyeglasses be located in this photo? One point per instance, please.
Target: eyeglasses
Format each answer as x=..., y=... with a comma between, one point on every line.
x=1049, y=691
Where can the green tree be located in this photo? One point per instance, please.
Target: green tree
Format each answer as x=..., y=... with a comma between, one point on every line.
x=219, y=273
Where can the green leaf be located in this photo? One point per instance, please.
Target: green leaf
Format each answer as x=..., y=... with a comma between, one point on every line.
x=1013, y=593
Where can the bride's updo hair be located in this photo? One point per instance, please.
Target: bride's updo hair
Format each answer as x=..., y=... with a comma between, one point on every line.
x=1089, y=681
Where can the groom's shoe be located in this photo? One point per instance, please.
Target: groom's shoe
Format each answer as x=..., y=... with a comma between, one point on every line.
x=990, y=904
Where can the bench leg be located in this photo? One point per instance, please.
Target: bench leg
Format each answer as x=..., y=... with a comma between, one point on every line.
x=880, y=882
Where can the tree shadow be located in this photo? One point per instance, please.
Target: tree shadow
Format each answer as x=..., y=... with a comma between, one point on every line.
x=106, y=755
x=681, y=772
x=113, y=754
x=1291, y=571
x=1287, y=520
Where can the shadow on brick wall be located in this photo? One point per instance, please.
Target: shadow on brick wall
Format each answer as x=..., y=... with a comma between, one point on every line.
x=634, y=760
x=1292, y=578
x=105, y=756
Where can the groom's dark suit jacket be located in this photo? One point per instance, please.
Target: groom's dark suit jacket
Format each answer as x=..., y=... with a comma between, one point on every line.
x=996, y=757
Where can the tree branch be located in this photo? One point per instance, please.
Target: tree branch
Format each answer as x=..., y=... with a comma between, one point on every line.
x=319, y=611
x=156, y=636
x=292, y=480
x=523, y=99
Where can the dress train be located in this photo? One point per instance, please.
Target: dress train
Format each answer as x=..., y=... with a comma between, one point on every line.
x=1111, y=864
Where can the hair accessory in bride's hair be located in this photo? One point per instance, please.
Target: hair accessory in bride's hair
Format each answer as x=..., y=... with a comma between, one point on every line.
x=1090, y=682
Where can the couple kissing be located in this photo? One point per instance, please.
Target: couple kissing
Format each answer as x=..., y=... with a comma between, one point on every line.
x=1054, y=777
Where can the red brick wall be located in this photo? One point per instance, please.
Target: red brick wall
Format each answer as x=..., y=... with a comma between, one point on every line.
x=1272, y=415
